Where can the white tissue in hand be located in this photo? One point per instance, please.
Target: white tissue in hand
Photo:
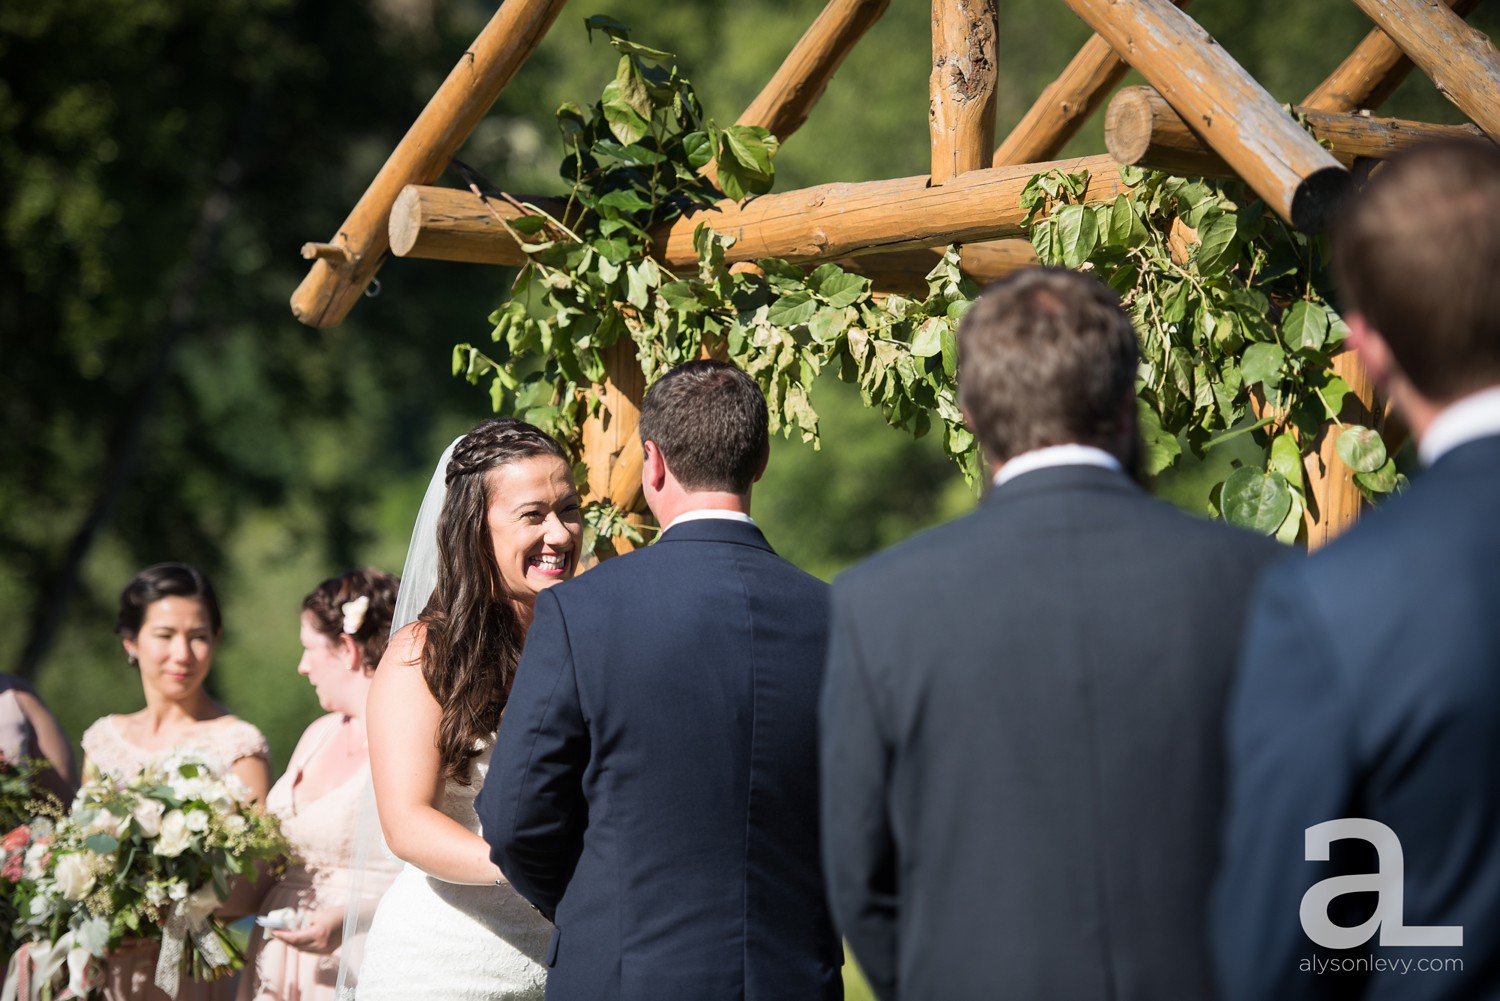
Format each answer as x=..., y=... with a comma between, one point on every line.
x=281, y=919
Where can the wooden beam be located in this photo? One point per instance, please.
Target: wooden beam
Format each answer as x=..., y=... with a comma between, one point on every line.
x=785, y=102
x=905, y=271
x=1066, y=104
x=961, y=115
x=333, y=285
x=1375, y=68
x=1463, y=62
x=455, y=224
x=827, y=222
x=1233, y=113
x=1140, y=128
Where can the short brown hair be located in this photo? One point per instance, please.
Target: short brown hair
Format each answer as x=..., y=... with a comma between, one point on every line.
x=1415, y=254
x=1048, y=357
x=710, y=422
x=325, y=603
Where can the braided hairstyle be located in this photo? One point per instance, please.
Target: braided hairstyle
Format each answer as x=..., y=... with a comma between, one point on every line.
x=473, y=634
x=326, y=606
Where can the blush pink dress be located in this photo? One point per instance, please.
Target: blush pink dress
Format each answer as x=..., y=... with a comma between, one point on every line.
x=130, y=973
x=322, y=833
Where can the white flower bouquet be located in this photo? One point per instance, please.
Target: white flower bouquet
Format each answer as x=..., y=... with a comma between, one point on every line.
x=151, y=858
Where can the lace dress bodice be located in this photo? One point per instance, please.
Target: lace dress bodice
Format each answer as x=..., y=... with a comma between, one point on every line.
x=471, y=943
x=221, y=741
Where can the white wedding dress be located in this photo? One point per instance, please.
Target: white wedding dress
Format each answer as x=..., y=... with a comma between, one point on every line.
x=432, y=939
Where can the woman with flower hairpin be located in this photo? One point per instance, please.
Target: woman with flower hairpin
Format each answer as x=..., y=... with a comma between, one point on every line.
x=169, y=624
x=294, y=955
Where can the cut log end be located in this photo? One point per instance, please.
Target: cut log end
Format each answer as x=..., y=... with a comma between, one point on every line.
x=1319, y=197
x=406, y=221
x=1129, y=124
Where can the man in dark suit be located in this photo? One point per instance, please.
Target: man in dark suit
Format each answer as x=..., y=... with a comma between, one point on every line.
x=1021, y=720
x=1369, y=691
x=654, y=788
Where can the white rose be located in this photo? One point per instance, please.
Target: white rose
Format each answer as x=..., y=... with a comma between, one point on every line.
x=105, y=822
x=236, y=788
x=177, y=890
x=235, y=824
x=197, y=821
x=156, y=893
x=148, y=815
x=33, y=860
x=74, y=876
x=175, y=836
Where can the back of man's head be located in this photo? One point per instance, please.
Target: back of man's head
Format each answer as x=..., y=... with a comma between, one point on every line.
x=708, y=419
x=1048, y=357
x=1415, y=253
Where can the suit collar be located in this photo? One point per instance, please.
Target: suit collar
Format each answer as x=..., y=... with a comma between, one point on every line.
x=716, y=530
x=1060, y=478
x=1478, y=454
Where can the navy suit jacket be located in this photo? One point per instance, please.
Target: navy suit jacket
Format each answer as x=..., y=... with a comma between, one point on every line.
x=654, y=786
x=1021, y=745
x=1370, y=688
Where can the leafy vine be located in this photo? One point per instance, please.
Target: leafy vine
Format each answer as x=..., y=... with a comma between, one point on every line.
x=1231, y=304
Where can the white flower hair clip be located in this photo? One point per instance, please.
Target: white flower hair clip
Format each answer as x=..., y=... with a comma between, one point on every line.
x=354, y=613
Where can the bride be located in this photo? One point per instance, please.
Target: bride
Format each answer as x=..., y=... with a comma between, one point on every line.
x=509, y=527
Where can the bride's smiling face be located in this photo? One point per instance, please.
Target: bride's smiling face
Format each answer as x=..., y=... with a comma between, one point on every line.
x=535, y=524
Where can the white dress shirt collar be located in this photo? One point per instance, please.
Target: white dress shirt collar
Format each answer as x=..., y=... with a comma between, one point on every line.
x=1475, y=416
x=1057, y=455
x=706, y=514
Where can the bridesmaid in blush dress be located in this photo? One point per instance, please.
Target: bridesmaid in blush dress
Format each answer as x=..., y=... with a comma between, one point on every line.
x=169, y=624
x=345, y=623
x=29, y=731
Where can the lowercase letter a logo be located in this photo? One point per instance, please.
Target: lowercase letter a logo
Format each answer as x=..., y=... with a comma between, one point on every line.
x=1388, y=883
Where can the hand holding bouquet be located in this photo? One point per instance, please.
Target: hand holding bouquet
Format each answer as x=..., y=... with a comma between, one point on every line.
x=150, y=858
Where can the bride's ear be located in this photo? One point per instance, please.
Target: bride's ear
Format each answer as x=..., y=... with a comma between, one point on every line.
x=350, y=649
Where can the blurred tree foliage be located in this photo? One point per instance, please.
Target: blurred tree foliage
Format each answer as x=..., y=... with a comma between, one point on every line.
x=162, y=162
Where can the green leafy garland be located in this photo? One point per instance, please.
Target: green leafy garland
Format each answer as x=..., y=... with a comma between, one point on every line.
x=1235, y=328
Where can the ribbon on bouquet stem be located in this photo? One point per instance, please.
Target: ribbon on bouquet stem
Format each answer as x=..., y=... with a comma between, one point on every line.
x=190, y=919
x=36, y=963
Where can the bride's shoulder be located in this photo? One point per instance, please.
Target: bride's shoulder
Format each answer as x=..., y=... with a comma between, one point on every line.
x=405, y=647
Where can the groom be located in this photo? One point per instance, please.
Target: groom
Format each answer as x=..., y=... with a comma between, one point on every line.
x=654, y=788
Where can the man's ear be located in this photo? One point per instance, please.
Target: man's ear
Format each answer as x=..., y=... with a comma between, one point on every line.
x=653, y=466
x=1370, y=348
x=760, y=470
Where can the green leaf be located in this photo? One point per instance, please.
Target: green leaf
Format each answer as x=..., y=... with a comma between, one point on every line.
x=1361, y=449
x=1230, y=435
x=625, y=200
x=744, y=159
x=950, y=352
x=1125, y=226
x=101, y=844
x=1381, y=481
x=838, y=287
x=1305, y=326
x=1286, y=459
x=928, y=340
x=606, y=24
x=1255, y=500
x=790, y=310
x=623, y=99
x=1215, y=244
x=828, y=323
x=699, y=149
x=639, y=286
x=1291, y=526
x=1333, y=391
x=643, y=51
x=1160, y=448
x=1261, y=365
x=1077, y=234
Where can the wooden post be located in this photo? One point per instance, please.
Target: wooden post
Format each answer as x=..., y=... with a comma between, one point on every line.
x=785, y=102
x=1066, y=104
x=1141, y=129
x=611, y=440
x=333, y=285
x=1244, y=124
x=827, y=222
x=1463, y=62
x=1334, y=500
x=1372, y=72
x=961, y=115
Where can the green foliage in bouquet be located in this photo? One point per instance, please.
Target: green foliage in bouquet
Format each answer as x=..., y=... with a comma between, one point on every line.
x=150, y=858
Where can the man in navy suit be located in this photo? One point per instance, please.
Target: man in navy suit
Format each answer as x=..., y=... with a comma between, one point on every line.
x=654, y=788
x=1369, y=692
x=1022, y=719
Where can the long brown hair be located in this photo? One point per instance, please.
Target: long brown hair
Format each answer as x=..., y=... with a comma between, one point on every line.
x=473, y=635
